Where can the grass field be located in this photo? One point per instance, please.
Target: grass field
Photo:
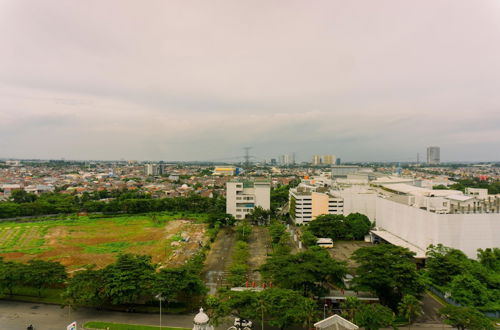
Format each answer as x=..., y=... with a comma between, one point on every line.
x=120, y=326
x=83, y=241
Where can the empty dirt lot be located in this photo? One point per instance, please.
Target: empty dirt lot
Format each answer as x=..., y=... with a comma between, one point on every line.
x=76, y=243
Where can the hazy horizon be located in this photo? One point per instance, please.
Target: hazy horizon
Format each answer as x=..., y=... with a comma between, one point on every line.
x=193, y=80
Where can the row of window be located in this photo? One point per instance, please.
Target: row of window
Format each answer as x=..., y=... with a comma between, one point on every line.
x=245, y=198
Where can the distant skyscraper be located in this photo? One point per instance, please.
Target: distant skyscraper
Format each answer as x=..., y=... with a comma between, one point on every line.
x=337, y=161
x=286, y=159
x=316, y=160
x=329, y=159
x=153, y=169
x=433, y=155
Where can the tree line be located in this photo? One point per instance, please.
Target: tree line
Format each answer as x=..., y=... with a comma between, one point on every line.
x=27, y=204
x=492, y=186
x=131, y=279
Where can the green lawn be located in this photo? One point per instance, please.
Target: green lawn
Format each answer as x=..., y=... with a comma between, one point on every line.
x=121, y=326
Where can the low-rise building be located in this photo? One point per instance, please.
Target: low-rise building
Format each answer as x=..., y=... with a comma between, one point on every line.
x=309, y=201
x=242, y=196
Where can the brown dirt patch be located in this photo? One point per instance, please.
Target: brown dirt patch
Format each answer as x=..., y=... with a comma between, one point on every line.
x=68, y=243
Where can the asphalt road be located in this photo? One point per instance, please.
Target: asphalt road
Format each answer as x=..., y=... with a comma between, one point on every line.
x=18, y=315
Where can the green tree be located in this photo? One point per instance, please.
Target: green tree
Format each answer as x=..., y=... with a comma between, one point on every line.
x=389, y=271
x=358, y=226
x=11, y=275
x=85, y=288
x=443, y=263
x=308, y=238
x=259, y=216
x=410, y=308
x=287, y=307
x=21, y=196
x=307, y=272
x=329, y=225
x=468, y=291
x=176, y=283
x=349, y=307
x=490, y=258
x=243, y=230
x=374, y=316
x=9, y=210
x=129, y=279
x=276, y=231
x=44, y=274
x=465, y=318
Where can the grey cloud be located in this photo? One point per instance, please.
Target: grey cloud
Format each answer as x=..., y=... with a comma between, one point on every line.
x=199, y=80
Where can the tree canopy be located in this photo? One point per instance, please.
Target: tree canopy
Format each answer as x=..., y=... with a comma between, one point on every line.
x=389, y=271
x=337, y=227
x=306, y=272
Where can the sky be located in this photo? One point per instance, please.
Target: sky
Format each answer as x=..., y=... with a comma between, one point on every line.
x=373, y=80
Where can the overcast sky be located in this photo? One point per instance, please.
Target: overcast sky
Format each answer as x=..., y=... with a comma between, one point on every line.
x=200, y=80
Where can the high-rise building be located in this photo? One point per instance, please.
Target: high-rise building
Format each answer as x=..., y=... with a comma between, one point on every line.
x=153, y=169
x=243, y=196
x=288, y=159
x=329, y=159
x=316, y=160
x=433, y=155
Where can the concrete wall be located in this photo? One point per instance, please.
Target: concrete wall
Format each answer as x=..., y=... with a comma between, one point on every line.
x=359, y=199
x=467, y=232
x=262, y=193
x=319, y=204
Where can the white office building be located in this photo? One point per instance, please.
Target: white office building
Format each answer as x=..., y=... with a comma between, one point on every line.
x=416, y=217
x=243, y=196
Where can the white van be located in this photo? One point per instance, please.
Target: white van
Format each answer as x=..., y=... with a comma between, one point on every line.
x=327, y=243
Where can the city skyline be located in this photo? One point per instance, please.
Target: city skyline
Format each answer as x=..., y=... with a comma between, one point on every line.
x=193, y=81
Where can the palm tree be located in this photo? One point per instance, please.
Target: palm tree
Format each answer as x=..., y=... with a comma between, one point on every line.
x=349, y=307
x=310, y=311
x=410, y=308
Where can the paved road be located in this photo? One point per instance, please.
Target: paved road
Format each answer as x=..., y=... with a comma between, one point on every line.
x=18, y=315
x=219, y=259
x=259, y=246
x=430, y=307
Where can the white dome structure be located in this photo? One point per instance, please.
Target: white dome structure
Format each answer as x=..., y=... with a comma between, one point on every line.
x=201, y=321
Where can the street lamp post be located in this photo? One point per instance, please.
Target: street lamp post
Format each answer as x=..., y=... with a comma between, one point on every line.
x=160, y=298
x=324, y=311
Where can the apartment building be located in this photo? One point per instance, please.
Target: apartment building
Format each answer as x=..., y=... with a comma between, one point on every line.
x=316, y=160
x=308, y=202
x=243, y=196
x=329, y=159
